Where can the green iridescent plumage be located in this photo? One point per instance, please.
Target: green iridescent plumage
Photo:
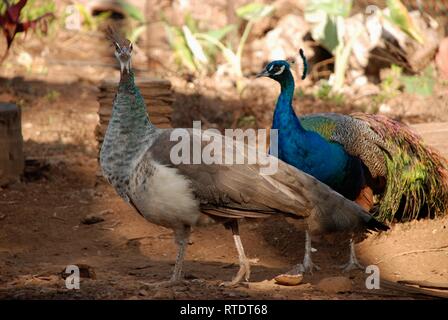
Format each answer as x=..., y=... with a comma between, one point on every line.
x=416, y=183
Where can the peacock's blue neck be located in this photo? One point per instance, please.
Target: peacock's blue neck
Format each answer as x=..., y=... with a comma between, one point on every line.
x=285, y=119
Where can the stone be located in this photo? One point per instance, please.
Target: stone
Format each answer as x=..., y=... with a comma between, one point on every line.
x=92, y=219
x=335, y=285
x=289, y=279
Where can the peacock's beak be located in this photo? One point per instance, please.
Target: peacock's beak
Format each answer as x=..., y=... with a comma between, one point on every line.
x=263, y=73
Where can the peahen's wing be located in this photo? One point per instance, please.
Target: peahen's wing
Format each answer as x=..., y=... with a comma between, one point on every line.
x=355, y=135
x=241, y=190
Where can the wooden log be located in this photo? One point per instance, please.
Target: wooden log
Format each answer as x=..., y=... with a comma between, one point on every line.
x=11, y=144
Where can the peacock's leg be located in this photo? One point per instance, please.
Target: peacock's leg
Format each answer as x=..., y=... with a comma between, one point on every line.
x=308, y=265
x=244, y=271
x=353, y=262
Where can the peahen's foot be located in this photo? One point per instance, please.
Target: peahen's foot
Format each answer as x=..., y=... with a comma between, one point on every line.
x=243, y=273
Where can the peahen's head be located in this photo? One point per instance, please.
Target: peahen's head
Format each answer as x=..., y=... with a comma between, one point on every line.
x=279, y=70
x=123, y=49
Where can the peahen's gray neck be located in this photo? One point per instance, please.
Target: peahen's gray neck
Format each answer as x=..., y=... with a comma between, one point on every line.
x=129, y=133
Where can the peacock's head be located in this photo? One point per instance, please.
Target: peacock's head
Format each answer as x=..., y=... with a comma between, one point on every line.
x=275, y=70
x=123, y=49
x=280, y=69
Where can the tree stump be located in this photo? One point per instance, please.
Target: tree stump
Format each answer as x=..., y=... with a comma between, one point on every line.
x=11, y=144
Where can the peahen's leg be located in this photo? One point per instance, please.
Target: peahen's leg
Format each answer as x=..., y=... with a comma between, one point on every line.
x=244, y=271
x=181, y=237
x=353, y=262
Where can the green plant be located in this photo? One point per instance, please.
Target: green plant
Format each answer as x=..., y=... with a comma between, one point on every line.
x=422, y=85
x=52, y=95
x=89, y=21
x=391, y=83
x=192, y=52
x=325, y=92
x=327, y=19
x=399, y=15
x=138, y=24
x=251, y=13
x=195, y=48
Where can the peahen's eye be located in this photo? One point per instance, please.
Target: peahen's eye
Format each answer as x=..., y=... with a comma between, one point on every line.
x=117, y=47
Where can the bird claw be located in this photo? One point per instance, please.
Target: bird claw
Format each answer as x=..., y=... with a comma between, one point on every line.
x=351, y=265
x=243, y=272
x=309, y=266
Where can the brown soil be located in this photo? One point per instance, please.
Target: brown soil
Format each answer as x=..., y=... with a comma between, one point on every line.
x=41, y=230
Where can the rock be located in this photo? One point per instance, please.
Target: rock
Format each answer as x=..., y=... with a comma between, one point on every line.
x=92, y=219
x=164, y=294
x=284, y=41
x=335, y=285
x=289, y=279
x=143, y=293
x=442, y=59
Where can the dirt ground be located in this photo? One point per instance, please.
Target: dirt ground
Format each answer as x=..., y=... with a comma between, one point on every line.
x=41, y=229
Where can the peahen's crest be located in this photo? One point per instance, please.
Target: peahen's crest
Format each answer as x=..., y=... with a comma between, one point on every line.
x=123, y=48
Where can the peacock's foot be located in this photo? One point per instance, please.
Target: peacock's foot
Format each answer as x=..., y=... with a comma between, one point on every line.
x=243, y=273
x=352, y=264
x=309, y=266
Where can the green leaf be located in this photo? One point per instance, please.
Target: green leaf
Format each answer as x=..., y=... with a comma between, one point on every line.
x=191, y=23
x=132, y=11
x=135, y=33
x=254, y=11
x=194, y=46
x=333, y=8
x=219, y=34
x=422, y=85
x=180, y=47
x=399, y=15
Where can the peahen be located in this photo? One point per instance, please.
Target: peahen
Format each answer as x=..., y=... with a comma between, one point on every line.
x=364, y=157
x=136, y=160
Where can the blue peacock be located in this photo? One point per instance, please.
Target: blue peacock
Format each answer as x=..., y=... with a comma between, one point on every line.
x=371, y=159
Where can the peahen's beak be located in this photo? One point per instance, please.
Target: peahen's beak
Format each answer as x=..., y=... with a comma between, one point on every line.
x=263, y=73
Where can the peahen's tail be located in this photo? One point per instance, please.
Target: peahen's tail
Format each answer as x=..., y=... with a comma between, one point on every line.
x=417, y=175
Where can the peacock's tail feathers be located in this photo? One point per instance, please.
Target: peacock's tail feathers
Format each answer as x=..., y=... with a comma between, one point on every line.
x=417, y=175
